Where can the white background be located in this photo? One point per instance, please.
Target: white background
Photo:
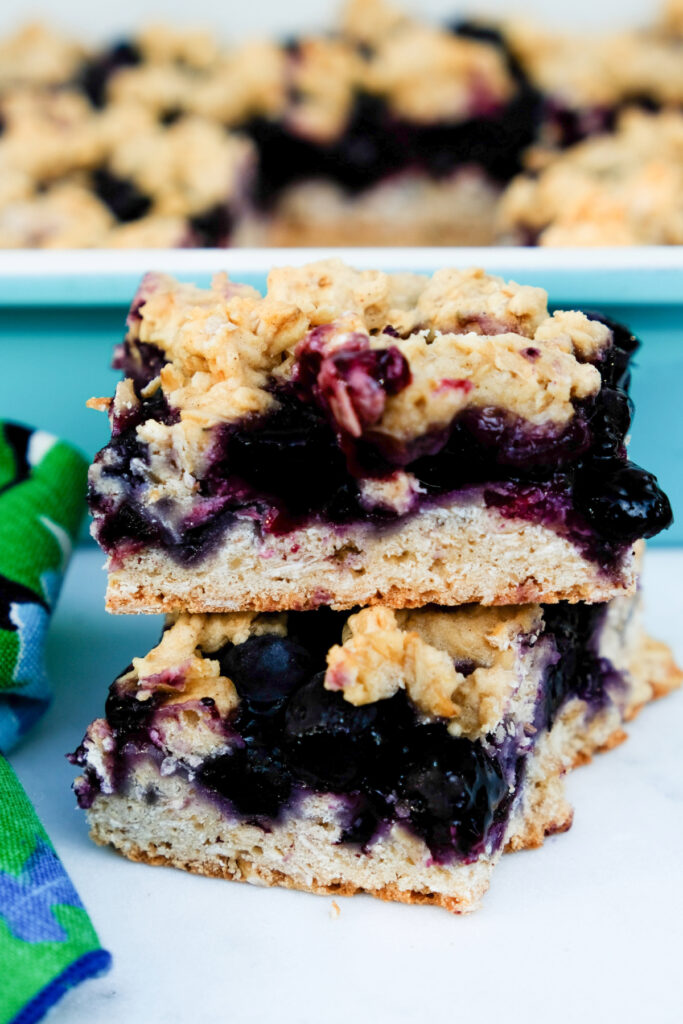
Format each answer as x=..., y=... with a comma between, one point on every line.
x=234, y=19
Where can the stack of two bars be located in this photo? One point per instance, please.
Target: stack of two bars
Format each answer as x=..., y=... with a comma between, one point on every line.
x=393, y=525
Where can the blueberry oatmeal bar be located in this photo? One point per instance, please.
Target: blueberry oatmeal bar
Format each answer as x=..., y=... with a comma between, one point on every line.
x=393, y=132
x=358, y=438
x=394, y=753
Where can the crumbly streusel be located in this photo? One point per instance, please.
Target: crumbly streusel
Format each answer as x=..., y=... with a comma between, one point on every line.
x=624, y=188
x=381, y=652
x=224, y=344
x=599, y=70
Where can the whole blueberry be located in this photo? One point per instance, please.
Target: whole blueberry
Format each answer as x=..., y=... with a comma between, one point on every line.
x=451, y=789
x=266, y=669
x=331, y=742
x=610, y=422
x=622, y=501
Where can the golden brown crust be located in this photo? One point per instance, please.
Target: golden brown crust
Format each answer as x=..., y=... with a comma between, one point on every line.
x=149, y=601
x=248, y=870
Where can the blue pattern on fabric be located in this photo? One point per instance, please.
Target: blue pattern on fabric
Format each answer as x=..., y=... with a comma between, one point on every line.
x=27, y=900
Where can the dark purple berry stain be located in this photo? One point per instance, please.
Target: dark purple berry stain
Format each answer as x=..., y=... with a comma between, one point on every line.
x=289, y=736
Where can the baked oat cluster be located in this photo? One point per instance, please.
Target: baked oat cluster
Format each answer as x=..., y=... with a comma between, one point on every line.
x=393, y=524
x=387, y=130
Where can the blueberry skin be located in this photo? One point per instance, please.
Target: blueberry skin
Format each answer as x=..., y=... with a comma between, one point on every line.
x=330, y=742
x=449, y=785
x=257, y=783
x=266, y=669
x=622, y=501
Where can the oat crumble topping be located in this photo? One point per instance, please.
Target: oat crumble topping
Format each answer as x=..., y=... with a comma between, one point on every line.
x=381, y=652
x=624, y=188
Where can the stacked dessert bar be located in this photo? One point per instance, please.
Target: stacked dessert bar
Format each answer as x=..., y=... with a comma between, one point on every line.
x=397, y=535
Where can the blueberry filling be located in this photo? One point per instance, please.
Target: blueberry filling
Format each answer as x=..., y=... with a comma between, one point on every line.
x=95, y=74
x=375, y=145
x=141, y=362
x=123, y=519
x=122, y=196
x=577, y=670
x=289, y=735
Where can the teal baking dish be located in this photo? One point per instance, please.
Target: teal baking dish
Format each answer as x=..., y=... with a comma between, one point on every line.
x=62, y=313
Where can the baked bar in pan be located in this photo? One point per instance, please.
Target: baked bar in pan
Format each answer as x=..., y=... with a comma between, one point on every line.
x=394, y=753
x=354, y=438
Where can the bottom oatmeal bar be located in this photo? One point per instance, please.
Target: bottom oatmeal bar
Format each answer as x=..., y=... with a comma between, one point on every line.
x=393, y=753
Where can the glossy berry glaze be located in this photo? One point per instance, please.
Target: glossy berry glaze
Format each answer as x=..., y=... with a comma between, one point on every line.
x=306, y=459
x=383, y=763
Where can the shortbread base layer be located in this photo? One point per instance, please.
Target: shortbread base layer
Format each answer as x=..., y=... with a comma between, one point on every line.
x=184, y=828
x=446, y=555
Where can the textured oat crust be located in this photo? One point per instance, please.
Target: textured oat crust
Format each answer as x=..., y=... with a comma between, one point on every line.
x=182, y=829
x=299, y=854
x=446, y=555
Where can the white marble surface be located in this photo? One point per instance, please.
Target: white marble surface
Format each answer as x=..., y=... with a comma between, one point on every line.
x=587, y=929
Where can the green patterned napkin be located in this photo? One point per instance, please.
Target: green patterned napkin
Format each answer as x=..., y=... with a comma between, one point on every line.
x=47, y=943
x=42, y=503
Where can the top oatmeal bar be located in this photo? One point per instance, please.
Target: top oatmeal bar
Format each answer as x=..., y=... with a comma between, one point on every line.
x=359, y=437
